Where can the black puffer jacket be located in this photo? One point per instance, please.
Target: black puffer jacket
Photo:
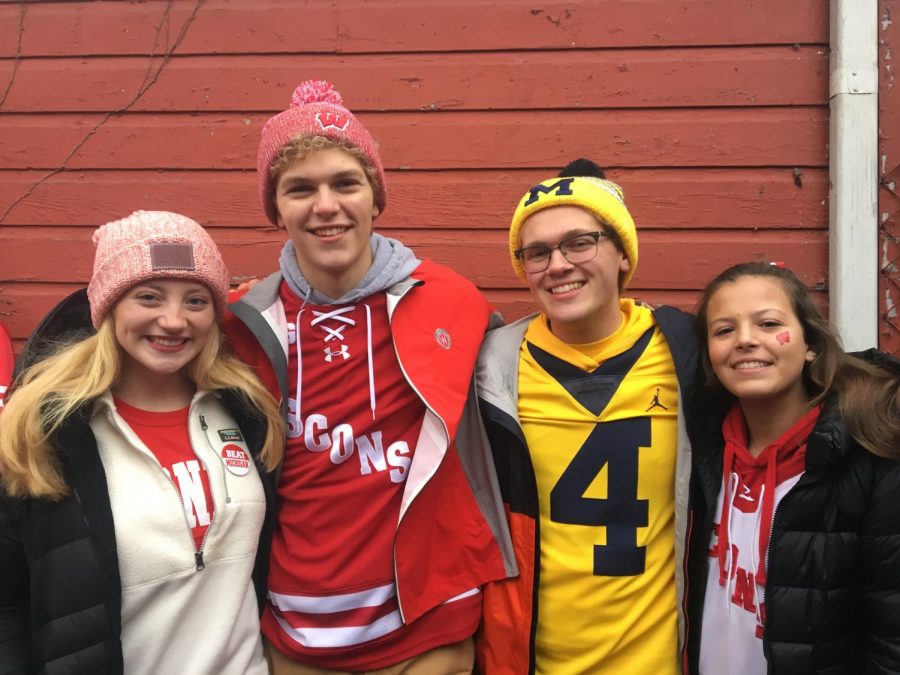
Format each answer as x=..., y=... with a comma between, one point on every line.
x=60, y=594
x=833, y=577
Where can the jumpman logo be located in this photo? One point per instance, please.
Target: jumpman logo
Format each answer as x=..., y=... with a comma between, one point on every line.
x=655, y=402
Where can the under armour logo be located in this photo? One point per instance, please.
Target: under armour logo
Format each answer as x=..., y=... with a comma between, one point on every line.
x=655, y=402
x=330, y=354
x=332, y=120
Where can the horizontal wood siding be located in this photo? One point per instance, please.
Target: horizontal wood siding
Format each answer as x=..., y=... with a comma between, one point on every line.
x=629, y=78
x=389, y=26
x=712, y=114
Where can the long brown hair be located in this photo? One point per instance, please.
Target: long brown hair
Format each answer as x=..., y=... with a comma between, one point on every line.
x=869, y=396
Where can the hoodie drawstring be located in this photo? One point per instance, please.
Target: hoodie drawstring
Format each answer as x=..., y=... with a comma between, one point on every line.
x=731, y=487
x=371, y=360
x=768, y=511
x=299, y=365
x=727, y=562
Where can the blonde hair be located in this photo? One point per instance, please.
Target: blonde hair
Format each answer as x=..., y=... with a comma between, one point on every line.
x=52, y=390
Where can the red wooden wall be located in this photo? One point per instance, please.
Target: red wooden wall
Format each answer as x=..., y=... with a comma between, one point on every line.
x=713, y=115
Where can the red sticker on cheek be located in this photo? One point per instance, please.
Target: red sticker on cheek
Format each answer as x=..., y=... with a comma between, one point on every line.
x=783, y=338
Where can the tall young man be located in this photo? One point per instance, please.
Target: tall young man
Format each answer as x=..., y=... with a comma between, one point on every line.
x=583, y=406
x=389, y=520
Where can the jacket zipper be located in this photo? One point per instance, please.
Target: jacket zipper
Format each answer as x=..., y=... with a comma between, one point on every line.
x=171, y=481
x=199, y=564
x=198, y=554
x=685, y=564
x=766, y=646
x=409, y=381
x=430, y=409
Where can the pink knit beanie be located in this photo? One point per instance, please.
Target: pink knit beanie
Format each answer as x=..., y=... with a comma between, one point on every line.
x=316, y=110
x=152, y=245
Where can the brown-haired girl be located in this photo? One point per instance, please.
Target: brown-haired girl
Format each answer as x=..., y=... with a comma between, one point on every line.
x=795, y=534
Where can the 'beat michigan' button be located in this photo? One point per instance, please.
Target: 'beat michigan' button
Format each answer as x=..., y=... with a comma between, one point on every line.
x=236, y=460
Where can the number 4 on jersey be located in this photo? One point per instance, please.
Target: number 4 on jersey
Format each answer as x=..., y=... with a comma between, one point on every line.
x=615, y=445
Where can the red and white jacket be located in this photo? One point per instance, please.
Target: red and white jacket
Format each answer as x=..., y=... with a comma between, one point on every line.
x=451, y=535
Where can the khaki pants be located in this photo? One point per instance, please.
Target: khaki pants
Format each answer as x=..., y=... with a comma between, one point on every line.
x=454, y=659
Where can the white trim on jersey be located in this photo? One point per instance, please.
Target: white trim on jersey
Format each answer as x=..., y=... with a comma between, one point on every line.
x=340, y=636
x=324, y=638
x=327, y=604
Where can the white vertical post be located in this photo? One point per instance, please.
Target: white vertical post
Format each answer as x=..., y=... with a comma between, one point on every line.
x=853, y=169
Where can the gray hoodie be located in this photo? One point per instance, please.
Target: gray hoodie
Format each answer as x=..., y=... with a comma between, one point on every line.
x=391, y=262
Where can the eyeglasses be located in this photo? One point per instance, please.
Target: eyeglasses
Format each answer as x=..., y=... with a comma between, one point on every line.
x=578, y=248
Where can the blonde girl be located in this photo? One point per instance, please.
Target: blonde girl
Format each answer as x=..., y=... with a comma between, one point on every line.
x=135, y=472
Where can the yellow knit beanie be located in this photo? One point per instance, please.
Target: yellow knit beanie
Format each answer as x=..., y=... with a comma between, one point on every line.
x=603, y=198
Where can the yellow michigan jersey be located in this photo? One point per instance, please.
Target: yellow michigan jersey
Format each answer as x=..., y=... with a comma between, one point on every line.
x=600, y=423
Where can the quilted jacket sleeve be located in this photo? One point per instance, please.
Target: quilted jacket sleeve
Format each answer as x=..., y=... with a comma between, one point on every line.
x=15, y=634
x=880, y=571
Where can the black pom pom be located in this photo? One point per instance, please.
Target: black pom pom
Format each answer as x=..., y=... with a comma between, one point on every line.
x=582, y=167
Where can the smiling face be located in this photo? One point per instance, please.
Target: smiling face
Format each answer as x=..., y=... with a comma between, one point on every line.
x=756, y=344
x=162, y=325
x=327, y=205
x=581, y=300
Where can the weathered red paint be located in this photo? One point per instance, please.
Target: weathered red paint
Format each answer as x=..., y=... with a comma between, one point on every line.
x=702, y=109
x=354, y=26
x=715, y=77
x=686, y=138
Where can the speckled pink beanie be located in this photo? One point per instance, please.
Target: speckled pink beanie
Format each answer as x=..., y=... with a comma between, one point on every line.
x=152, y=245
x=316, y=110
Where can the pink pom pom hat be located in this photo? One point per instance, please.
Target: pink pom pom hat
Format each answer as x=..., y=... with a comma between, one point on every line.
x=316, y=110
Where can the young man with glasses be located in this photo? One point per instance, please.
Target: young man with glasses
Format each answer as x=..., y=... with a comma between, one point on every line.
x=584, y=408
